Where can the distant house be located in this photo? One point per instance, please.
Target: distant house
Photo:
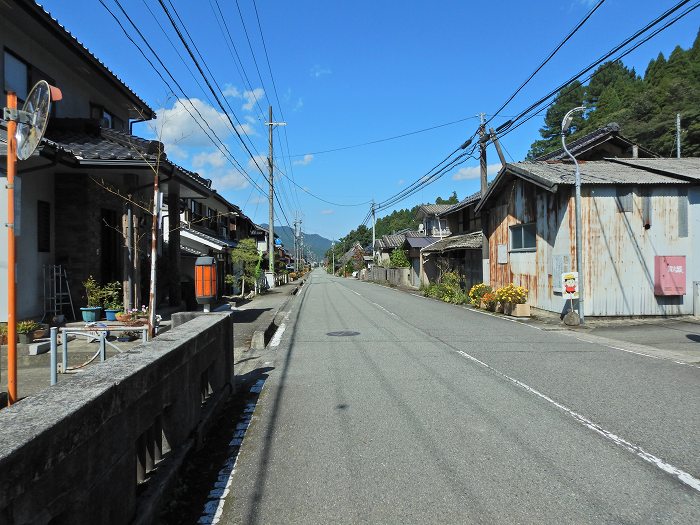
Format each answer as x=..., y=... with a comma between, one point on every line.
x=640, y=232
x=460, y=251
x=430, y=221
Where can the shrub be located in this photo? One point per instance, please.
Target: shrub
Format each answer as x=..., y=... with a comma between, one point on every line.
x=448, y=289
x=28, y=326
x=477, y=292
x=398, y=259
x=511, y=294
x=489, y=299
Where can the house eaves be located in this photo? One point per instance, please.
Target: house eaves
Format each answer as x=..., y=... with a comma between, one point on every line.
x=52, y=25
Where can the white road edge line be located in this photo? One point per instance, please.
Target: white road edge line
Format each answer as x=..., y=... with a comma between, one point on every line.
x=277, y=338
x=681, y=475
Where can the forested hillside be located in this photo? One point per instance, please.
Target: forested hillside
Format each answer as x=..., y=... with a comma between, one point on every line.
x=645, y=107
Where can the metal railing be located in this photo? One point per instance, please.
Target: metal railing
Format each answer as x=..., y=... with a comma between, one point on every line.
x=93, y=333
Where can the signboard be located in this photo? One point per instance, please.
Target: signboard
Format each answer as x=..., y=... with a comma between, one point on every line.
x=669, y=275
x=560, y=264
x=569, y=285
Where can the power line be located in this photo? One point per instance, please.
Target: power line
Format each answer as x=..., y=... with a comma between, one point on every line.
x=549, y=57
x=227, y=154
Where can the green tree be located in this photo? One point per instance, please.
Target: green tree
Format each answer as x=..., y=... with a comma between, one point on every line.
x=398, y=259
x=451, y=200
x=246, y=256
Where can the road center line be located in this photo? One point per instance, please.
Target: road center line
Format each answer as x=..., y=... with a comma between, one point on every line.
x=681, y=475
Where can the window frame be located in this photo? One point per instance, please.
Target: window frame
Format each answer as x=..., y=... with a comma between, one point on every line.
x=28, y=69
x=520, y=229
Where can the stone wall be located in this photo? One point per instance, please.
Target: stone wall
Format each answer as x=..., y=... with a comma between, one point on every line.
x=85, y=451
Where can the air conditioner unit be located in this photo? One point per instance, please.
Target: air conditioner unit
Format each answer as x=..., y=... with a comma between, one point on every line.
x=421, y=228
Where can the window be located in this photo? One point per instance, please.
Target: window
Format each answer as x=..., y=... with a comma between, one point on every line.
x=16, y=75
x=105, y=118
x=523, y=237
x=43, y=226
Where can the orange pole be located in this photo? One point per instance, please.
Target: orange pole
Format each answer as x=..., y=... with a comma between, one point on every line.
x=11, y=298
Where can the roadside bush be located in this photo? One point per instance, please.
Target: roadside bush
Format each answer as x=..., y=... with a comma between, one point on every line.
x=398, y=259
x=477, y=292
x=448, y=289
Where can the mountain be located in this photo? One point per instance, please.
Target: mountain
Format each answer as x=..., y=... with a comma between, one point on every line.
x=318, y=245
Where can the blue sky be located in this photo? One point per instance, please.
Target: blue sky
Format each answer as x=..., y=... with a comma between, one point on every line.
x=352, y=72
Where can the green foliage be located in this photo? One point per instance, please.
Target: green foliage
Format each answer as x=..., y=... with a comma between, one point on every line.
x=448, y=289
x=451, y=200
x=398, y=259
x=246, y=254
x=112, y=295
x=645, y=107
x=28, y=326
x=93, y=292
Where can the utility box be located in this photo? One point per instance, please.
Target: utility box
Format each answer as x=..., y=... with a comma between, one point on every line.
x=669, y=275
x=205, y=280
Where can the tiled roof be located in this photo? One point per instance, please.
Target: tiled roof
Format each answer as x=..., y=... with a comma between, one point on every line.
x=420, y=242
x=593, y=172
x=434, y=209
x=47, y=18
x=587, y=142
x=471, y=199
x=465, y=241
x=685, y=168
x=86, y=140
x=222, y=242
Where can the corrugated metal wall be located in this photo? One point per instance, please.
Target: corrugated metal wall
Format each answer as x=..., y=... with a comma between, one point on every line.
x=618, y=250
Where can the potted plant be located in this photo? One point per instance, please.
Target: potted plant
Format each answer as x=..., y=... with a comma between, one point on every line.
x=26, y=329
x=93, y=293
x=513, y=298
x=477, y=292
x=488, y=301
x=111, y=296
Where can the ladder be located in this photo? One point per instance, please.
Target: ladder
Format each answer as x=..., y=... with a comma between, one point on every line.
x=56, y=291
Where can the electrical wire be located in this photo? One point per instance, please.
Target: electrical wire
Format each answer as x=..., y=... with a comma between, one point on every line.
x=549, y=57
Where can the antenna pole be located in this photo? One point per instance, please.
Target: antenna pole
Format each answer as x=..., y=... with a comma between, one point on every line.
x=678, y=135
x=11, y=284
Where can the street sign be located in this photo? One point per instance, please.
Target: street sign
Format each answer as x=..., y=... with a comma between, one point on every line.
x=569, y=285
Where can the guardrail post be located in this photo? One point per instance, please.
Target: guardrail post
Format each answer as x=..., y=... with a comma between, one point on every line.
x=103, y=346
x=64, y=344
x=144, y=335
x=54, y=356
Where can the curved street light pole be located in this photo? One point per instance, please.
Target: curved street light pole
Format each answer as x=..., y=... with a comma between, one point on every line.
x=565, y=124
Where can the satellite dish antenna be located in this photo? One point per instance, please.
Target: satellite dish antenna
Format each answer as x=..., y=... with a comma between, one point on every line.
x=33, y=118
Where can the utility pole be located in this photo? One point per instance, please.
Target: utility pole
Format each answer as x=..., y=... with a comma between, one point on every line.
x=678, y=135
x=483, y=139
x=270, y=274
x=494, y=139
x=374, y=224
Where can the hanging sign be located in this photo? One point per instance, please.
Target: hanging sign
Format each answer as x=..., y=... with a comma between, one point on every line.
x=569, y=285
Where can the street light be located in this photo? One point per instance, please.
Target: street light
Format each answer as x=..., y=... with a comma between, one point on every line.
x=565, y=124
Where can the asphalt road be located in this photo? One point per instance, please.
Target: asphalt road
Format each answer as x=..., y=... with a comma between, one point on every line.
x=385, y=407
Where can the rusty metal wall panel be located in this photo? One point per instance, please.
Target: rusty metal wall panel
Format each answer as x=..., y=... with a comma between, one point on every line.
x=618, y=250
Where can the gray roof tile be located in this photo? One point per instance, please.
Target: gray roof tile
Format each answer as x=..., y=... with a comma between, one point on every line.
x=465, y=241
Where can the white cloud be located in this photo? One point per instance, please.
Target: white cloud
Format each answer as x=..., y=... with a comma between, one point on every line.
x=176, y=126
x=327, y=212
x=298, y=105
x=260, y=161
x=215, y=159
x=258, y=200
x=318, y=71
x=231, y=91
x=214, y=165
x=474, y=172
x=401, y=182
x=252, y=97
x=305, y=161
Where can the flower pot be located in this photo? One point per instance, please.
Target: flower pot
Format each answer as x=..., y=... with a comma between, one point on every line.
x=91, y=314
x=521, y=310
x=111, y=313
x=41, y=333
x=505, y=308
x=25, y=338
x=122, y=317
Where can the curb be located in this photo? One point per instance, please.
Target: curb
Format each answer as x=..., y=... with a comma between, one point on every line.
x=262, y=336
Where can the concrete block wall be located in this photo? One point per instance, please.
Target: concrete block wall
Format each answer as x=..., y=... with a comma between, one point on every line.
x=395, y=276
x=84, y=451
